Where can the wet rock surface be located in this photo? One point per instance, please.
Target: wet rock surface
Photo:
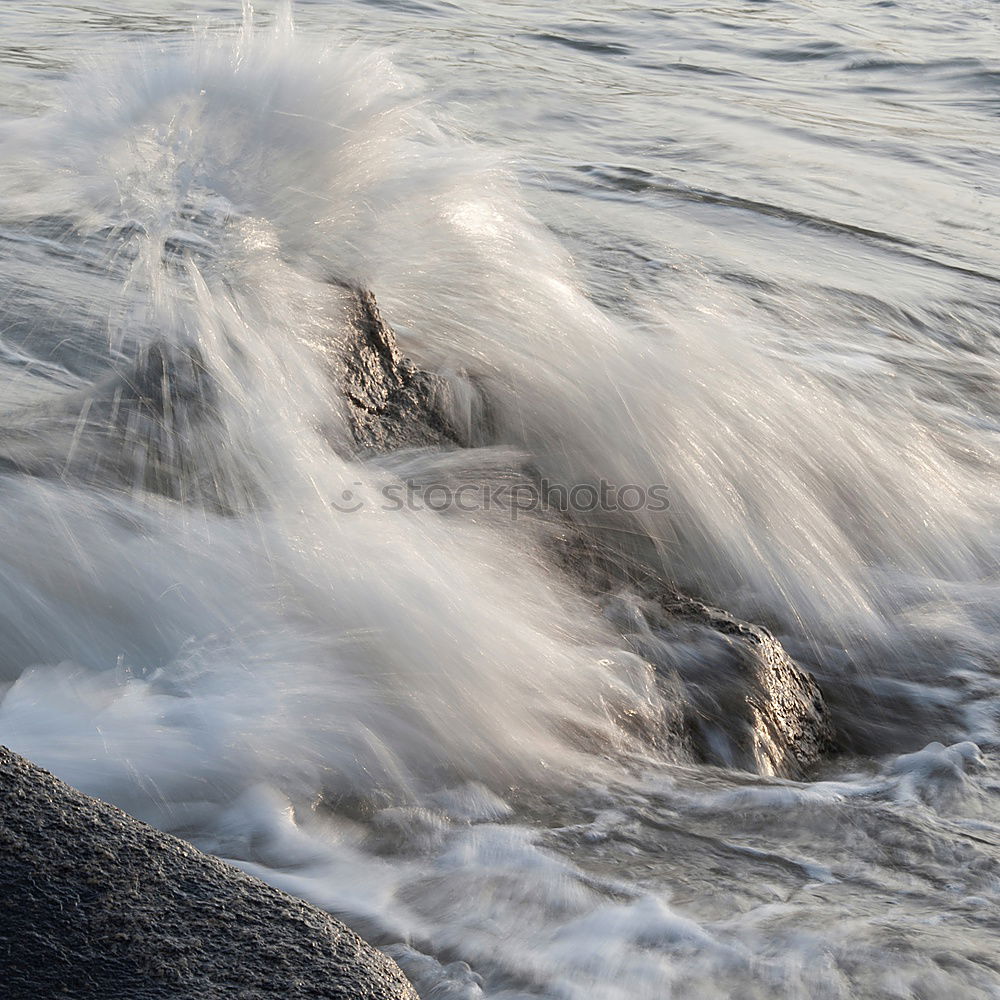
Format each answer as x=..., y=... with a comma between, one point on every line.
x=746, y=703
x=98, y=905
x=153, y=424
x=392, y=404
x=735, y=697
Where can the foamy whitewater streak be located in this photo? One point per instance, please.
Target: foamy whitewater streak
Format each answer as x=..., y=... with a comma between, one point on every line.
x=344, y=702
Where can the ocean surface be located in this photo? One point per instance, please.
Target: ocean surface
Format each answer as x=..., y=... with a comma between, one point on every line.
x=747, y=251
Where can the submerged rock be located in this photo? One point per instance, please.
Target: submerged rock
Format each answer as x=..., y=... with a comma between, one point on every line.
x=154, y=424
x=98, y=905
x=735, y=697
x=746, y=703
x=150, y=425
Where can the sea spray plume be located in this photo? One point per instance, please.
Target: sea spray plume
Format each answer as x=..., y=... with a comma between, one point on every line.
x=265, y=638
x=782, y=488
x=790, y=496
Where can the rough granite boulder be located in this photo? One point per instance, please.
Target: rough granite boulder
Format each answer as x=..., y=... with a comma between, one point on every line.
x=738, y=699
x=151, y=425
x=96, y=905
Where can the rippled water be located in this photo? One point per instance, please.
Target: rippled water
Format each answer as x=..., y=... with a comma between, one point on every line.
x=744, y=250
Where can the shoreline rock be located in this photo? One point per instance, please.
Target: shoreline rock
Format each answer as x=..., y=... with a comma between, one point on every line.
x=392, y=403
x=746, y=703
x=98, y=905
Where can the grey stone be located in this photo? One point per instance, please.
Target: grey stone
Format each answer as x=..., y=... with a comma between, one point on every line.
x=746, y=703
x=391, y=403
x=96, y=905
x=153, y=423
x=736, y=698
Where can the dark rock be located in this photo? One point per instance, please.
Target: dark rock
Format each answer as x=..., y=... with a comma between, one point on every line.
x=154, y=424
x=391, y=403
x=746, y=703
x=742, y=700
x=734, y=695
x=98, y=905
